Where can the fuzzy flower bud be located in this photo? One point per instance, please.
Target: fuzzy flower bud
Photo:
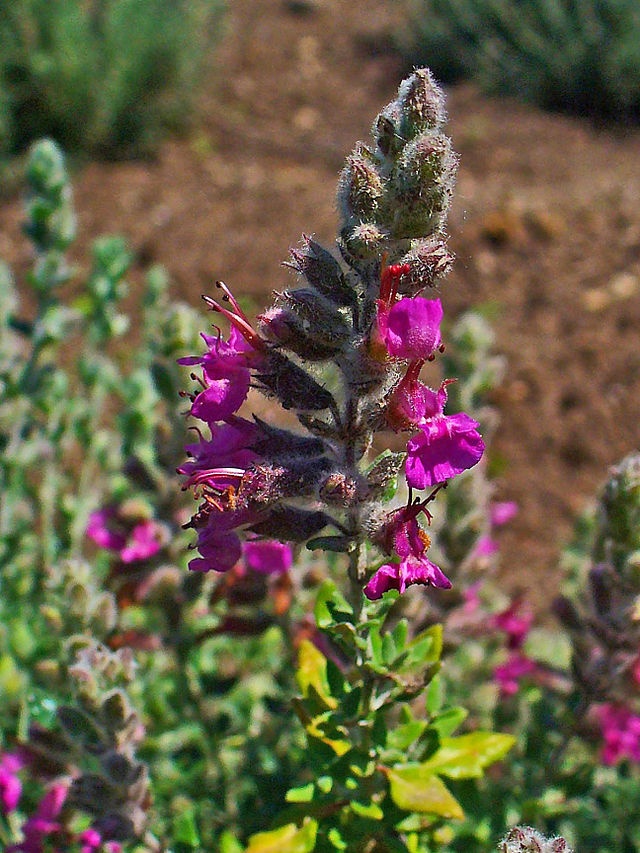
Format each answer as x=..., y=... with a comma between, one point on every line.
x=422, y=186
x=361, y=189
x=421, y=104
x=321, y=270
x=524, y=839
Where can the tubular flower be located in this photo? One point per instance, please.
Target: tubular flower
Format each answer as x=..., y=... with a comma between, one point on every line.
x=267, y=557
x=621, y=733
x=508, y=675
x=10, y=785
x=411, y=329
x=446, y=444
x=402, y=533
x=401, y=575
x=226, y=365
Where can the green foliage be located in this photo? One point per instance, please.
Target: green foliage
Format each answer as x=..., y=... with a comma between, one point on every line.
x=375, y=767
x=575, y=55
x=104, y=76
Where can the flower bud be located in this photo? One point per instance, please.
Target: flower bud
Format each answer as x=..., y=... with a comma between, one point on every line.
x=283, y=326
x=421, y=103
x=429, y=260
x=360, y=189
x=266, y=483
x=423, y=185
x=290, y=524
x=524, y=839
x=338, y=490
x=386, y=130
x=322, y=271
x=364, y=240
x=274, y=441
x=293, y=387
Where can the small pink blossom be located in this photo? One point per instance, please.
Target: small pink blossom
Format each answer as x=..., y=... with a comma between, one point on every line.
x=111, y=531
x=446, y=445
x=90, y=840
x=401, y=575
x=104, y=531
x=509, y=674
x=267, y=557
x=10, y=785
x=485, y=547
x=621, y=733
x=144, y=541
x=502, y=512
x=515, y=622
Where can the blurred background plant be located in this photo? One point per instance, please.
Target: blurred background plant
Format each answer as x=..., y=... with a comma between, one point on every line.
x=579, y=56
x=106, y=77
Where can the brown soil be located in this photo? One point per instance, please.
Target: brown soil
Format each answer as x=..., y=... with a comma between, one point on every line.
x=546, y=225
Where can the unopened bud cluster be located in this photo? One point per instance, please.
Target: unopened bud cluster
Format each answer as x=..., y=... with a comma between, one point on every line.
x=344, y=350
x=523, y=839
x=91, y=753
x=605, y=625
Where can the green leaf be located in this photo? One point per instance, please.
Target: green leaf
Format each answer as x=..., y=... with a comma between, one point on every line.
x=400, y=634
x=328, y=594
x=325, y=783
x=229, y=843
x=285, y=839
x=185, y=830
x=389, y=652
x=415, y=789
x=336, y=839
x=312, y=672
x=403, y=736
x=370, y=810
x=434, y=695
x=465, y=757
x=303, y=794
x=448, y=721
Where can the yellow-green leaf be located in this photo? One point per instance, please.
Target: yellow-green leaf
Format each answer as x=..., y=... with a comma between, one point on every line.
x=285, y=839
x=465, y=757
x=415, y=789
x=312, y=672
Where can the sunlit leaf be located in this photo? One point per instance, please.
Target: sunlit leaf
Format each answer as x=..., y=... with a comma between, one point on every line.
x=465, y=757
x=312, y=672
x=416, y=789
x=285, y=839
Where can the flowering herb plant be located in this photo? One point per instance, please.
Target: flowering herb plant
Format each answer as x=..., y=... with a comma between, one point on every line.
x=331, y=669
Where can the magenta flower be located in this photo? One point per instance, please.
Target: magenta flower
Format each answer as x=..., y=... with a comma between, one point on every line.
x=267, y=557
x=108, y=529
x=621, y=733
x=406, y=573
x=219, y=550
x=145, y=540
x=229, y=446
x=514, y=622
x=43, y=822
x=90, y=840
x=402, y=533
x=10, y=785
x=446, y=444
x=502, y=512
x=509, y=674
x=411, y=328
x=226, y=365
x=103, y=529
